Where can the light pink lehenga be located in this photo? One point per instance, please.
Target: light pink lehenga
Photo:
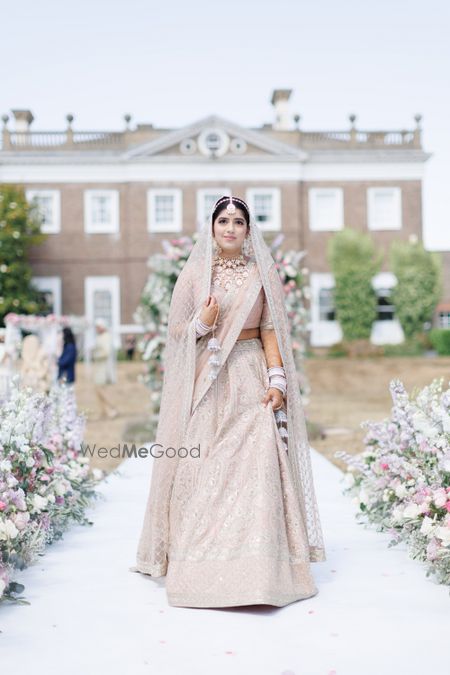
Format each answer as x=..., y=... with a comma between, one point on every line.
x=229, y=528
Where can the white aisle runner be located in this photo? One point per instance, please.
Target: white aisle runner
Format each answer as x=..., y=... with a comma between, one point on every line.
x=376, y=613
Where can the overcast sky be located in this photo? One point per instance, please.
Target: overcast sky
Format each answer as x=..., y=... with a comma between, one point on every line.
x=170, y=63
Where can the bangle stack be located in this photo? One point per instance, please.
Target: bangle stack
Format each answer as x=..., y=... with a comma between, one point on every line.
x=277, y=378
x=201, y=328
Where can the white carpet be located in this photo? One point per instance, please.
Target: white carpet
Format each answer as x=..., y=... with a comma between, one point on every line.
x=376, y=613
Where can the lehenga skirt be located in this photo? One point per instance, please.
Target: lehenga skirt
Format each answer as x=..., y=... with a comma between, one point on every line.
x=237, y=536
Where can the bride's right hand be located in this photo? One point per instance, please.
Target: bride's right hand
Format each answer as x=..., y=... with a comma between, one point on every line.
x=210, y=310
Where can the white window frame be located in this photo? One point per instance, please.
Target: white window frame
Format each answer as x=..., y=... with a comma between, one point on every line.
x=54, y=285
x=177, y=224
x=112, y=227
x=201, y=195
x=396, y=223
x=104, y=283
x=314, y=224
x=324, y=332
x=444, y=319
x=275, y=224
x=55, y=226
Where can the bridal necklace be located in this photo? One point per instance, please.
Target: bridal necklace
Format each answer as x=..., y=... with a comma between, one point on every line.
x=228, y=272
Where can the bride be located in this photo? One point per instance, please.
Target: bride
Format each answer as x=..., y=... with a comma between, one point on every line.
x=231, y=516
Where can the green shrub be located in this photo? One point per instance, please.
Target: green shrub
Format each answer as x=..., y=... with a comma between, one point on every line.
x=440, y=339
x=409, y=347
x=419, y=285
x=354, y=260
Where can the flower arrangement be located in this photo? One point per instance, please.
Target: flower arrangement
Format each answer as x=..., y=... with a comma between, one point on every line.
x=45, y=481
x=401, y=481
x=28, y=321
x=153, y=309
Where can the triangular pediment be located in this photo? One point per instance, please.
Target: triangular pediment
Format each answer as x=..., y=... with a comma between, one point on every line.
x=232, y=140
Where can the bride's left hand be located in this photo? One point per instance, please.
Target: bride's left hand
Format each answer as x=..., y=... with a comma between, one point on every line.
x=275, y=396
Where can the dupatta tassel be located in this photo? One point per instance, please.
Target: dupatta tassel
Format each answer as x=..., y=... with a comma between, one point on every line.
x=214, y=360
x=281, y=422
x=214, y=345
x=281, y=416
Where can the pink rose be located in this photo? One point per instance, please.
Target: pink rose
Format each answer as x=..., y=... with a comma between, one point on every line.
x=21, y=519
x=447, y=506
x=3, y=506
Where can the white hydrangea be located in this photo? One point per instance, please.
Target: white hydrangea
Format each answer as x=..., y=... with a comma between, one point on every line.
x=8, y=530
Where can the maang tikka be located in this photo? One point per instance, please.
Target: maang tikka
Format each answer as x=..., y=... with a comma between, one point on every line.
x=230, y=206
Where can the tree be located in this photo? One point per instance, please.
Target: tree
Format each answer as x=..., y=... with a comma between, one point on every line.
x=419, y=285
x=19, y=229
x=354, y=261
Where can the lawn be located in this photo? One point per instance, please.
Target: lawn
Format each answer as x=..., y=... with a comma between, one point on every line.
x=344, y=393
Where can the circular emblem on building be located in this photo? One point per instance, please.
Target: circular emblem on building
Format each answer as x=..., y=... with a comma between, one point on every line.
x=213, y=141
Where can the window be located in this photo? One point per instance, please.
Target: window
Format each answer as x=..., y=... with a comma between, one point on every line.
x=205, y=203
x=265, y=204
x=51, y=287
x=325, y=329
x=385, y=309
x=326, y=305
x=326, y=209
x=102, y=301
x=444, y=319
x=384, y=208
x=101, y=211
x=48, y=203
x=164, y=210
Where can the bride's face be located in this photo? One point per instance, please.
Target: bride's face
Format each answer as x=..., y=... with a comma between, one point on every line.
x=230, y=231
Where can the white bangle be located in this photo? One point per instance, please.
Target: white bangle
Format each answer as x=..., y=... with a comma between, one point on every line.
x=276, y=370
x=279, y=382
x=201, y=328
x=279, y=387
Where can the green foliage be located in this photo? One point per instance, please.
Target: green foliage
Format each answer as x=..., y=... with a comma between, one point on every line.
x=354, y=261
x=413, y=346
x=19, y=229
x=419, y=284
x=440, y=339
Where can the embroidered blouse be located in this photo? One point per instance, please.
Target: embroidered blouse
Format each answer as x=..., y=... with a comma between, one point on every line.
x=259, y=315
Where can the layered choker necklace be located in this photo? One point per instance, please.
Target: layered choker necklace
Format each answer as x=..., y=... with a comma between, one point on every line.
x=234, y=262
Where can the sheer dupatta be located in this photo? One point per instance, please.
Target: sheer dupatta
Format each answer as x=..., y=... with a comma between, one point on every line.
x=186, y=376
x=234, y=310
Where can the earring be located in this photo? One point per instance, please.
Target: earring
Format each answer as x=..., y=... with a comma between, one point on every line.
x=246, y=246
x=216, y=248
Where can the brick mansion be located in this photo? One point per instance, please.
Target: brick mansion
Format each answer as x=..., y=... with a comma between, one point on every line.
x=109, y=198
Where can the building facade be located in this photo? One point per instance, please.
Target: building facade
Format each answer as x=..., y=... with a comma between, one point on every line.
x=108, y=199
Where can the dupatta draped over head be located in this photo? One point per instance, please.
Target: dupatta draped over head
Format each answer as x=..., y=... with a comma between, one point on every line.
x=186, y=371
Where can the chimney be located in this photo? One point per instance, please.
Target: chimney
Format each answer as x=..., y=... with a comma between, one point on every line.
x=23, y=119
x=283, y=116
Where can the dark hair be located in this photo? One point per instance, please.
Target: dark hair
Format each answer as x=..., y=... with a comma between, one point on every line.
x=68, y=336
x=221, y=204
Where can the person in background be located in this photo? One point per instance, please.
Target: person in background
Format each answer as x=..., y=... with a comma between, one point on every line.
x=6, y=369
x=102, y=356
x=130, y=346
x=35, y=366
x=66, y=362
